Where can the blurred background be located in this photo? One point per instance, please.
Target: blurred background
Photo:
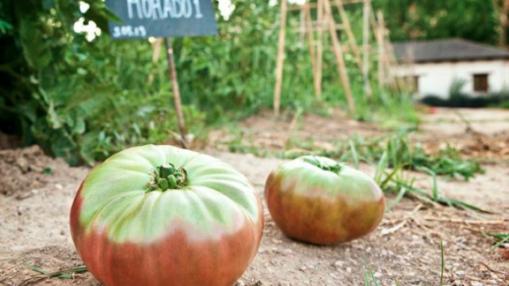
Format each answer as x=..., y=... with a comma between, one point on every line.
x=67, y=86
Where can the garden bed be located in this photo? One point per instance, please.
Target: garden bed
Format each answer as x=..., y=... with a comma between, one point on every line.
x=404, y=250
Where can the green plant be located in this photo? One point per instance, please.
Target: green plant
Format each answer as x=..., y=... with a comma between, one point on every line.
x=395, y=182
x=400, y=152
x=413, y=19
x=455, y=90
x=4, y=27
x=500, y=238
x=84, y=100
x=370, y=279
x=187, y=213
x=446, y=162
x=318, y=200
x=67, y=273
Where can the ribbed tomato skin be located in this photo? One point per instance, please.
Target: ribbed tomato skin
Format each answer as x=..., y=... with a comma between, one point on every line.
x=176, y=258
x=308, y=205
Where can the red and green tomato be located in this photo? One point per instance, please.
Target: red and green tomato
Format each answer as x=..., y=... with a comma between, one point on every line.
x=318, y=200
x=160, y=215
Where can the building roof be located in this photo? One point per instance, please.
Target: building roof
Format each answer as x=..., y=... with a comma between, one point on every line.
x=446, y=50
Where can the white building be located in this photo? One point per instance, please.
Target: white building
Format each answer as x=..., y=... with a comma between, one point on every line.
x=433, y=66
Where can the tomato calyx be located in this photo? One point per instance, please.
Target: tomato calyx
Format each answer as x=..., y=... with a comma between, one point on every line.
x=167, y=177
x=334, y=168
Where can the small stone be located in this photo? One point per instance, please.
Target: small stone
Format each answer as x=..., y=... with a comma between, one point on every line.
x=287, y=251
x=476, y=283
x=303, y=268
x=276, y=241
x=349, y=269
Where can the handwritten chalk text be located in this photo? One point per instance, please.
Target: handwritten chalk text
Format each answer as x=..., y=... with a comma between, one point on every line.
x=163, y=9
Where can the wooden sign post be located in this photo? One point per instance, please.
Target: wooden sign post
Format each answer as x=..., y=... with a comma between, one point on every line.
x=164, y=19
x=172, y=72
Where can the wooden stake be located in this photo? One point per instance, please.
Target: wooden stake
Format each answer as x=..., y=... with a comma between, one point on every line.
x=319, y=47
x=349, y=33
x=280, y=57
x=365, y=44
x=389, y=56
x=381, y=50
x=172, y=72
x=311, y=45
x=338, y=52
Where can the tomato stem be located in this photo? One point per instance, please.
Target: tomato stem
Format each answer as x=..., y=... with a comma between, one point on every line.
x=167, y=177
x=335, y=168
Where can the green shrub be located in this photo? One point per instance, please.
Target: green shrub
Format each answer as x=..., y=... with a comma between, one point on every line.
x=84, y=100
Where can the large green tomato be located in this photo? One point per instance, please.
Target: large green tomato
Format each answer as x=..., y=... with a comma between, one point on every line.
x=318, y=200
x=160, y=215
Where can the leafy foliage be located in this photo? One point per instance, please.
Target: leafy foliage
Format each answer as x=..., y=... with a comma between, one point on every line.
x=476, y=20
x=81, y=100
x=500, y=238
x=400, y=153
x=394, y=181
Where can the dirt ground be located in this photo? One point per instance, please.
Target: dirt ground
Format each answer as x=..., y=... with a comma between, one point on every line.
x=36, y=194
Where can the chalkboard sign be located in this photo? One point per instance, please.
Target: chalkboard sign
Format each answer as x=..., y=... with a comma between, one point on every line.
x=162, y=18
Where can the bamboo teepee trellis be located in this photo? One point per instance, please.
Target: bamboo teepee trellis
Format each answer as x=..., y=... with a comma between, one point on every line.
x=325, y=23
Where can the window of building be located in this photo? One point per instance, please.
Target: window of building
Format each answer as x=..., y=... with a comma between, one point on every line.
x=481, y=82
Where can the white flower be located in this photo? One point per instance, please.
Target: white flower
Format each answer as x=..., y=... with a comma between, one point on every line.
x=84, y=7
x=273, y=3
x=91, y=30
x=226, y=8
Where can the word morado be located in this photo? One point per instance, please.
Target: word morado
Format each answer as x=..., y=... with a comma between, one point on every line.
x=162, y=18
x=163, y=9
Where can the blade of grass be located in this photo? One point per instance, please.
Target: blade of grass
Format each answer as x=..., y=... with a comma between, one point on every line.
x=67, y=273
x=402, y=192
x=355, y=155
x=439, y=199
x=500, y=238
x=381, y=167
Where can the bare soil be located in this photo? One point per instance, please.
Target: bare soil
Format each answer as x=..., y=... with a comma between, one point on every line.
x=404, y=250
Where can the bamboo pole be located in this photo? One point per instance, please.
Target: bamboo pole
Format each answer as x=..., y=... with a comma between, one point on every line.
x=389, y=54
x=315, y=5
x=365, y=44
x=338, y=52
x=319, y=48
x=280, y=57
x=381, y=50
x=311, y=45
x=302, y=25
x=172, y=72
x=345, y=21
